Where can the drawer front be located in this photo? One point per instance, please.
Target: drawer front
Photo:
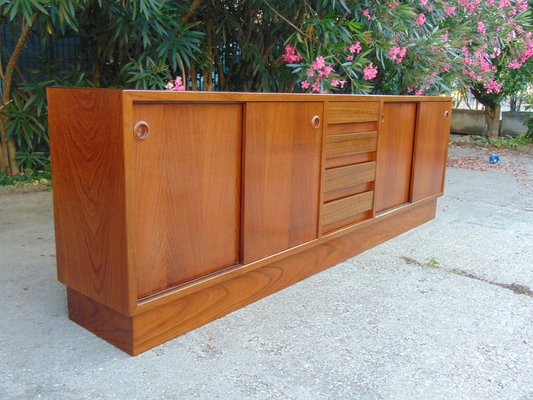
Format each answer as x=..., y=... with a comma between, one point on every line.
x=342, y=145
x=346, y=208
x=341, y=112
x=345, y=181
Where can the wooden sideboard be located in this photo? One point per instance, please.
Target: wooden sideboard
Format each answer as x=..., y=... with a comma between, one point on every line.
x=173, y=209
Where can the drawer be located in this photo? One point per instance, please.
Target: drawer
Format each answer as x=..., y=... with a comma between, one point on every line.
x=349, y=180
x=341, y=112
x=355, y=143
x=343, y=209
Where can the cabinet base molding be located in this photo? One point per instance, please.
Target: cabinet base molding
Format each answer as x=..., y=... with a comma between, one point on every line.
x=144, y=330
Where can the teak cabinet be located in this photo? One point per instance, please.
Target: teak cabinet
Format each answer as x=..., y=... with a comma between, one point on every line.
x=173, y=209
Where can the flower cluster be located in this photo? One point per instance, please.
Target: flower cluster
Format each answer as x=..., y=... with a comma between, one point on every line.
x=291, y=55
x=370, y=72
x=320, y=76
x=421, y=19
x=176, y=85
x=397, y=53
x=493, y=86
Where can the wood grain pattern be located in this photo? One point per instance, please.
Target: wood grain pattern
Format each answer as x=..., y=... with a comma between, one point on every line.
x=159, y=236
x=186, y=191
x=340, y=112
x=431, y=149
x=337, y=210
x=104, y=322
x=198, y=96
x=349, y=159
x=343, y=181
x=355, y=127
x=351, y=220
x=180, y=316
x=282, y=172
x=342, y=145
x=395, y=154
x=88, y=187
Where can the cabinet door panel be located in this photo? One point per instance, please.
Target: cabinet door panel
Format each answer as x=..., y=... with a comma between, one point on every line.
x=431, y=149
x=185, y=194
x=281, y=181
x=395, y=155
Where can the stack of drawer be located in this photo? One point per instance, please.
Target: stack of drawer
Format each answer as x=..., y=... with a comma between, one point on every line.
x=350, y=165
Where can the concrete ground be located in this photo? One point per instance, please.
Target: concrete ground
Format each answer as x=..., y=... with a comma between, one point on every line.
x=442, y=312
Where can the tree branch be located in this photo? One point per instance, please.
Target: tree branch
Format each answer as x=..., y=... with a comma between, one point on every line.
x=190, y=12
x=283, y=18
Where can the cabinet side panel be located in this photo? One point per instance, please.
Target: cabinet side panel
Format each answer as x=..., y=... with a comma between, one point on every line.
x=431, y=149
x=86, y=147
x=395, y=155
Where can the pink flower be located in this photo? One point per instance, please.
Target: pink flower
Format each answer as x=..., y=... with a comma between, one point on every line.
x=176, y=85
x=310, y=72
x=315, y=87
x=522, y=5
x=448, y=10
x=328, y=69
x=481, y=28
x=397, y=53
x=319, y=63
x=291, y=55
x=421, y=19
x=305, y=85
x=366, y=13
x=514, y=64
x=355, y=48
x=342, y=83
x=370, y=72
x=334, y=82
x=503, y=4
x=445, y=68
x=349, y=58
x=423, y=3
x=493, y=86
x=393, y=5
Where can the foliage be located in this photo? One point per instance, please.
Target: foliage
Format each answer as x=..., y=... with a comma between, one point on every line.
x=506, y=142
x=386, y=47
x=29, y=177
x=423, y=46
x=529, y=124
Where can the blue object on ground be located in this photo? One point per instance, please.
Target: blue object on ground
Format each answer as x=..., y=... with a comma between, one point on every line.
x=494, y=158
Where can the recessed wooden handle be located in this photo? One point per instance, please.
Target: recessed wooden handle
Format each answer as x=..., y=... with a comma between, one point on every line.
x=382, y=118
x=446, y=114
x=141, y=130
x=315, y=121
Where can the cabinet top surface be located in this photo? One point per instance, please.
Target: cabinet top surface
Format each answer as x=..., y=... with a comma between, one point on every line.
x=165, y=95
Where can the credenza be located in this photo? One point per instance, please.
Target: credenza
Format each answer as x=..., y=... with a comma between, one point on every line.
x=172, y=209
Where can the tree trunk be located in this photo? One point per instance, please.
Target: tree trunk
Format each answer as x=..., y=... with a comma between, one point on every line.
x=8, y=145
x=492, y=117
x=3, y=153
